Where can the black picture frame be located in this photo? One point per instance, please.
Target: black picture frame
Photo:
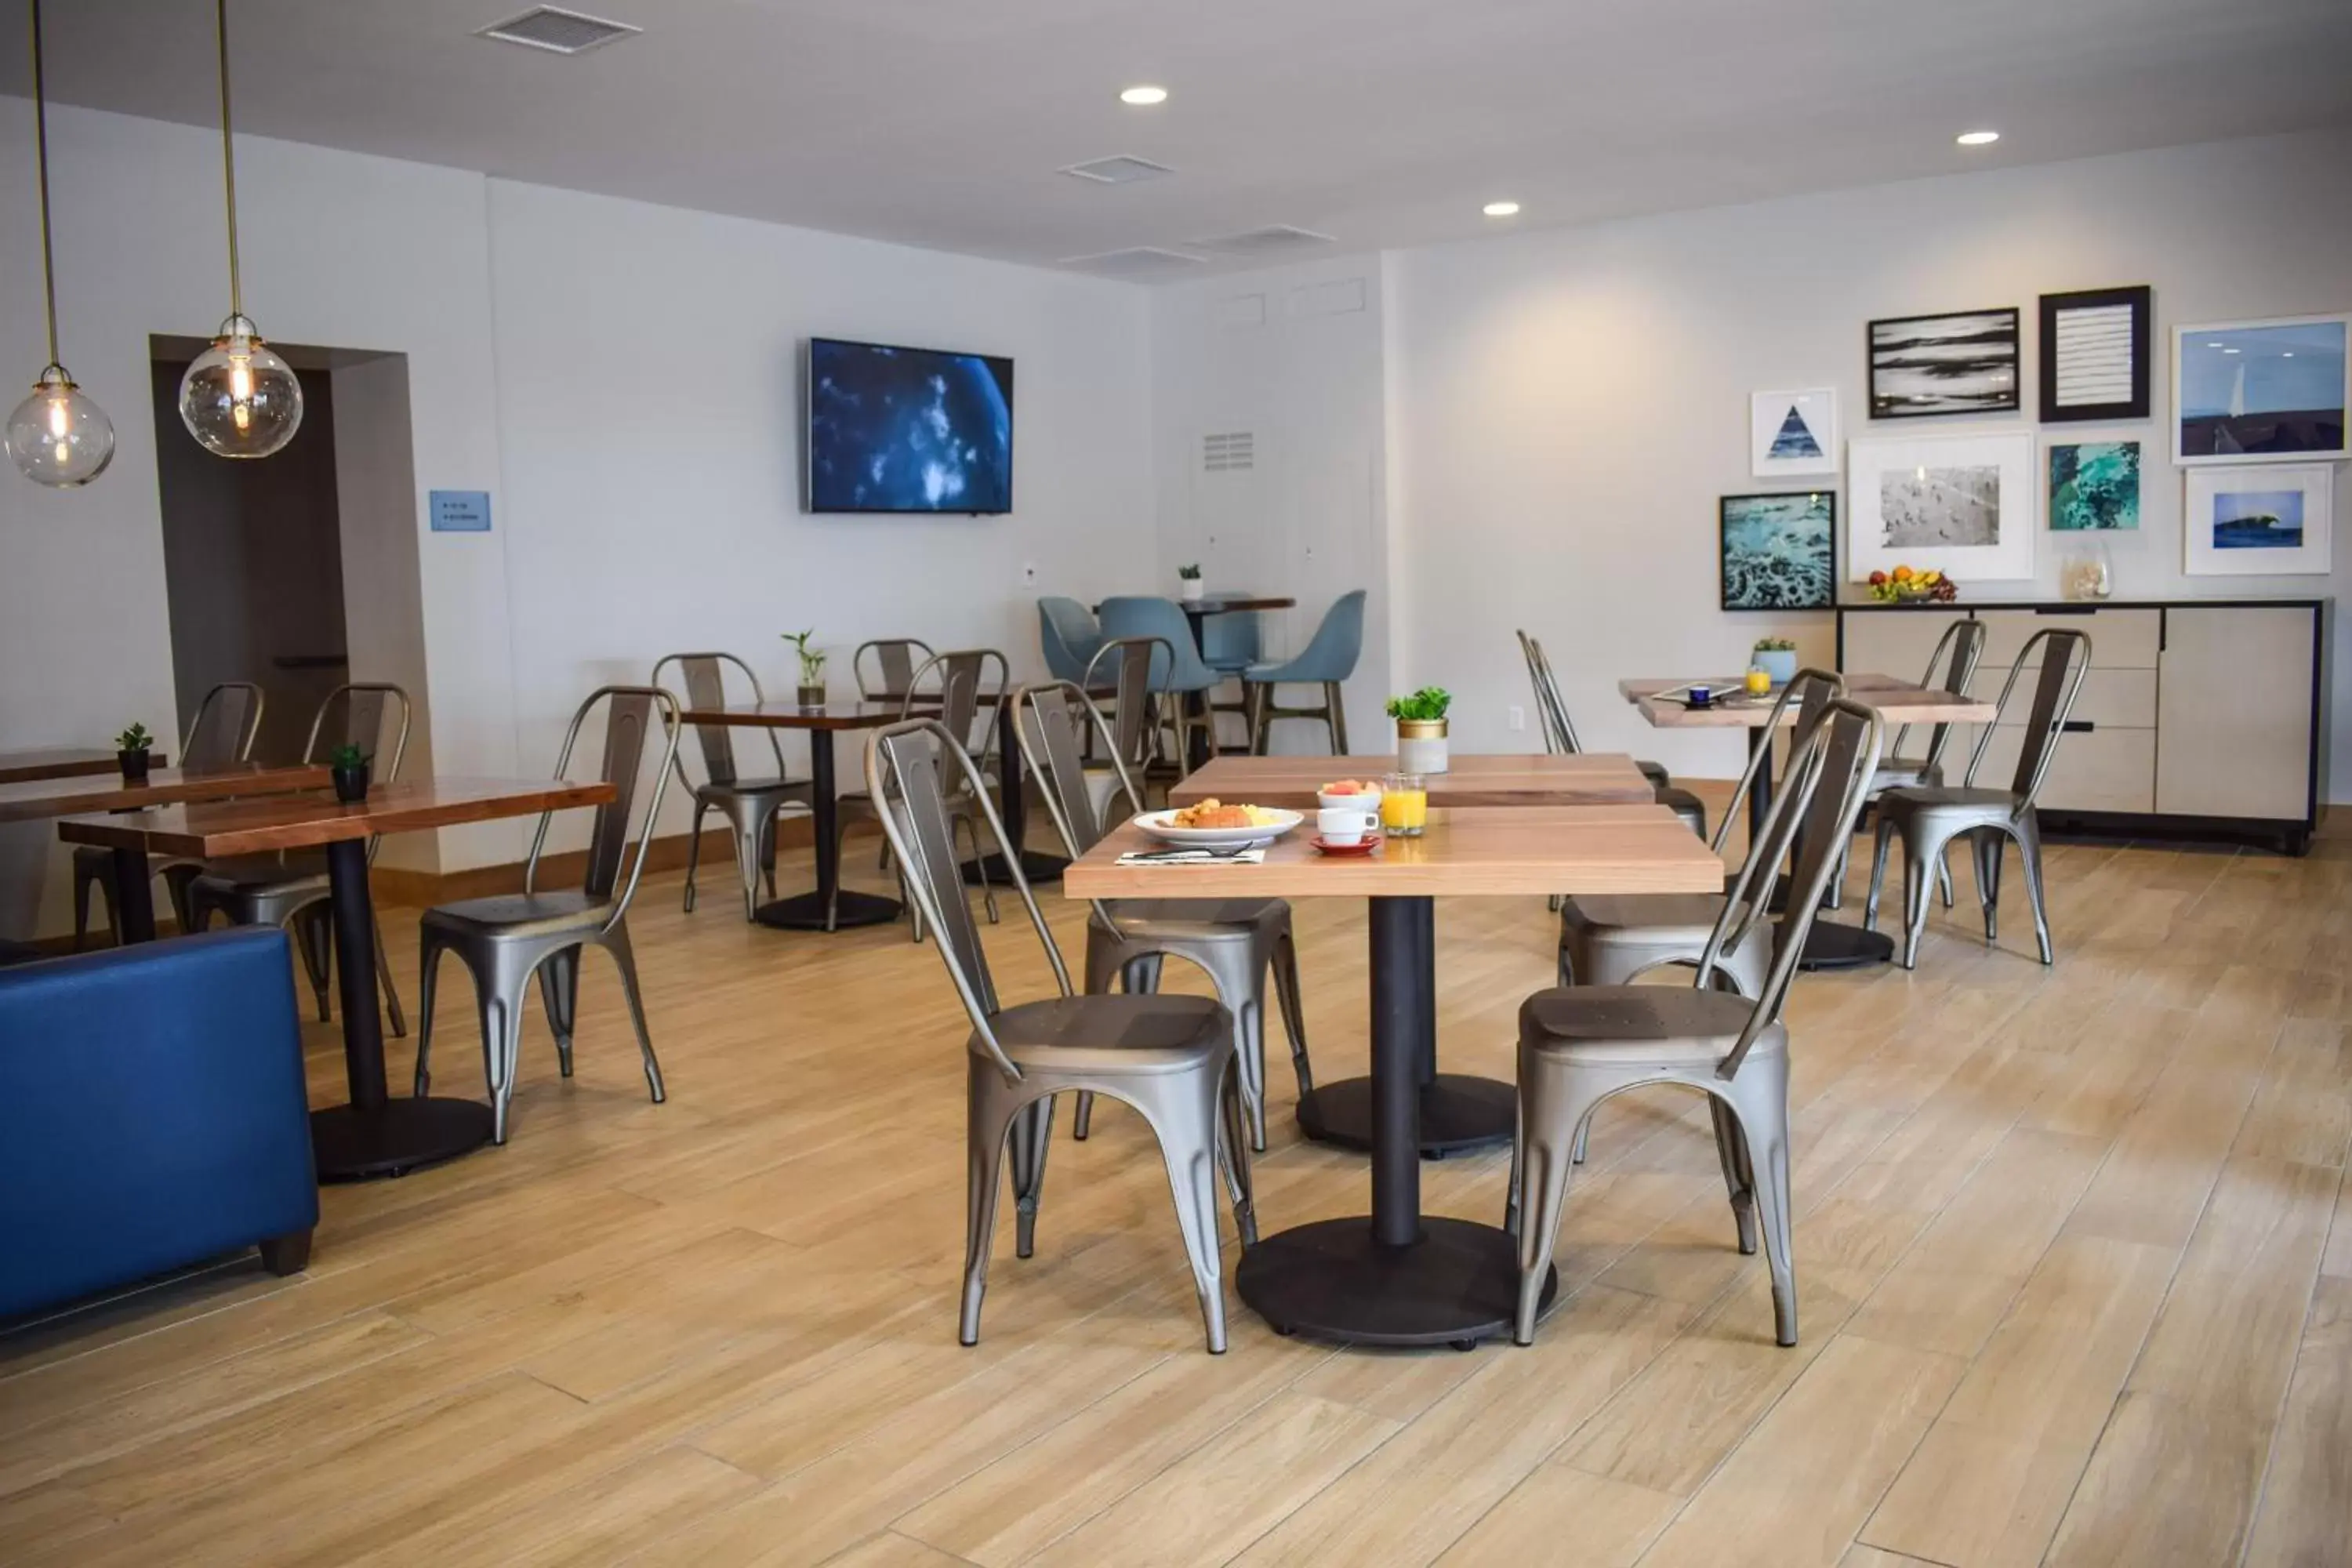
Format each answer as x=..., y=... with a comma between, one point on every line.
x=1821, y=597
x=2141, y=300
x=1888, y=401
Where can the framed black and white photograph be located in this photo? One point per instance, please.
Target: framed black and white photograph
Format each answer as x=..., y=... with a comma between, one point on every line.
x=2260, y=391
x=1962, y=505
x=2266, y=521
x=1780, y=551
x=1793, y=434
x=1963, y=363
x=2095, y=354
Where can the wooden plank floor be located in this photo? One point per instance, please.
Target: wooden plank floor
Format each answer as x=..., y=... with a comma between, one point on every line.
x=2074, y=1255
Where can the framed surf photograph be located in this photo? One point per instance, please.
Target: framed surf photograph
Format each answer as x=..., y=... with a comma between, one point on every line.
x=1793, y=433
x=1780, y=551
x=2260, y=391
x=1962, y=362
x=1964, y=505
x=2274, y=519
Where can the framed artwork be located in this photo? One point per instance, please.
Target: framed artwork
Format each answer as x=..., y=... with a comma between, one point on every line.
x=1962, y=505
x=2261, y=522
x=1780, y=551
x=2095, y=354
x=1965, y=362
x=1792, y=433
x=2260, y=392
x=2093, y=485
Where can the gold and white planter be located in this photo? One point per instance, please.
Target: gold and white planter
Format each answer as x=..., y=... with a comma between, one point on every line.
x=1420, y=745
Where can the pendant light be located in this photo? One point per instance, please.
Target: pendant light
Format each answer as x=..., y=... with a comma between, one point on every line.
x=238, y=398
x=57, y=437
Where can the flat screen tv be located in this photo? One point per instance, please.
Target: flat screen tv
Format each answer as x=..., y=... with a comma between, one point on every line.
x=908, y=430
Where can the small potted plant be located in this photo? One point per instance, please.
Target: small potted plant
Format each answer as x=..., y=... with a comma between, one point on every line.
x=812, y=686
x=1421, y=730
x=1188, y=582
x=349, y=766
x=1776, y=657
x=134, y=751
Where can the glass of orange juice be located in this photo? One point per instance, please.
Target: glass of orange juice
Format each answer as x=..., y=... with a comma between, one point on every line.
x=1404, y=805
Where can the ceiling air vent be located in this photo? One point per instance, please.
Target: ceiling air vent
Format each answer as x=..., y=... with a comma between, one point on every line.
x=1267, y=241
x=1228, y=451
x=1137, y=262
x=558, y=31
x=1120, y=171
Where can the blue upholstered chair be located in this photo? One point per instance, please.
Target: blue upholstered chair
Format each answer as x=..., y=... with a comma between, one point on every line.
x=1329, y=658
x=1067, y=631
x=1230, y=644
x=1180, y=679
x=153, y=1114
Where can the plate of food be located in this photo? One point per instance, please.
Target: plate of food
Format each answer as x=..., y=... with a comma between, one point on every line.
x=1214, y=824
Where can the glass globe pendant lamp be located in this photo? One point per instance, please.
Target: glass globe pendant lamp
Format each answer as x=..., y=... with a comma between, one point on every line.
x=57, y=437
x=238, y=399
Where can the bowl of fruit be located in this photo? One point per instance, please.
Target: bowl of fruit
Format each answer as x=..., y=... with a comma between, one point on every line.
x=1364, y=793
x=1904, y=586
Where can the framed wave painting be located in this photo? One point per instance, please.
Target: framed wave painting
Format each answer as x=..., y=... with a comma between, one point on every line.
x=1780, y=551
x=1792, y=433
x=2258, y=522
x=2260, y=391
x=1964, y=362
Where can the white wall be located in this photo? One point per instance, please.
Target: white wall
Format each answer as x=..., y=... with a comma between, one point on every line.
x=619, y=376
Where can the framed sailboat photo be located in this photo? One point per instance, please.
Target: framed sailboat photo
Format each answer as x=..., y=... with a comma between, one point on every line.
x=2260, y=391
x=1793, y=433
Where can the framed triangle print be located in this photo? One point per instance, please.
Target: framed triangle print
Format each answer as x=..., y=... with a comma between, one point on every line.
x=1792, y=434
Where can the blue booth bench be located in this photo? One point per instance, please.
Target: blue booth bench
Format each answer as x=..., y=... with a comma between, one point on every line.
x=153, y=1114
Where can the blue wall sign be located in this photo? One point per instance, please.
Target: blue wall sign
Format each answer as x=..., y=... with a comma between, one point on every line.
x=461, y=511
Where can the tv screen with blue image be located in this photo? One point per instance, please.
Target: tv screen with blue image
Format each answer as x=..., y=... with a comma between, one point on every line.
x=908, y=430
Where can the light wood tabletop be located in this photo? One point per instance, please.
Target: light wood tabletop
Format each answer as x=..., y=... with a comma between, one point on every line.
x=1591, y=778
x=1588, y=849
x=1898, y=701
x=59, y=762
x=255, y=824
x=33, y=799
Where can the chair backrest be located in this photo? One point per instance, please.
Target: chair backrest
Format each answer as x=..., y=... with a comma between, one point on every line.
x=1140, y=615
x=911, y=770
x=361, y=714
x=630, y=713
x=1125, y=665
x=1332, y=652
x=1810, y=691
x=885, y=668
x=225, y=722
x=705, y=675
x=1048, y=720
x=1232, y=638
x=1560, y=735
x=1827, y=782
x=2065, y=659
x=1067, y=634
x=965, y=683
x=1957, y=653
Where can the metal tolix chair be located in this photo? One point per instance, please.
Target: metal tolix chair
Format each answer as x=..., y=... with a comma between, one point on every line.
x=1957, y=654
x=1124, y=667
x=749, y=804
x=504, y=940
x=222, y=731
x=1235, y=941
x=1560, y=739
x=1170, y=1058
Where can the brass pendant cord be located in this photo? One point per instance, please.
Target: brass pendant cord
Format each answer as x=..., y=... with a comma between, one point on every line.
x=228, y=155
x=41, y=142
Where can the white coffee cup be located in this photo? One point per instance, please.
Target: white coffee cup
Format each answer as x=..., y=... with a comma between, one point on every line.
x=1345, y=823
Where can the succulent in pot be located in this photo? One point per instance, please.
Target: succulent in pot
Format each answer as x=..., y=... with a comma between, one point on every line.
x=134, y=753
x=1188, y=580
x=349, y=767
x=1776, y=657
x=811, y=693
x=1421, y=730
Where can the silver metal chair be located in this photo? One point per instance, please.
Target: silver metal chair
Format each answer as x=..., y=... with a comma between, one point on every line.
x=1580, y=1045
x=885, y=668
x=1235, y=941
x=1560, y=739
x=749, y=804
x=1956, y=655
x=1127, y=765
x=504, y=940
x=1930, y=817
x=226, y=720
x=1170, y=1058
x=291, y=889
x=954, y=688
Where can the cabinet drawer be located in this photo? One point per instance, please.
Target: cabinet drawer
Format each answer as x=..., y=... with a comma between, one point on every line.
x=2095, y=770
x=2120, y=639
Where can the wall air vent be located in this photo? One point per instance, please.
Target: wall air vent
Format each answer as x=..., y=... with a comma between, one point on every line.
x=1228, y=451
x=1137, y=263
x=1271, y=240
x=1120, y=171
x=558, y=31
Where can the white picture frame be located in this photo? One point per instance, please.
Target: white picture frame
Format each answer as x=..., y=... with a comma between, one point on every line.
x=2213, y=497
x=1780, y=421
x=2286, y=412
x=1966, y=505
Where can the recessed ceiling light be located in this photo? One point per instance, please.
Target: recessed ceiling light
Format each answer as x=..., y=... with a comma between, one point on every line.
x=1144, y=97
x=1977, y=138
x=1501, y=209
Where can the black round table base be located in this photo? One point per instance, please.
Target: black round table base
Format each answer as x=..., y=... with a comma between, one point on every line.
x=1331, y=1280
x=805, y=911
x=1459, y=1114
x=1036, y=865
x=354, y=1145
x=1830, y=945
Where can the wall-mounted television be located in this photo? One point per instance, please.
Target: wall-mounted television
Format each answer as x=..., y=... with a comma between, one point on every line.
x=902, y=430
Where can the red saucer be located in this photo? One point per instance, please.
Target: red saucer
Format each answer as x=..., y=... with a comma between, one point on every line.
x=1361, y=846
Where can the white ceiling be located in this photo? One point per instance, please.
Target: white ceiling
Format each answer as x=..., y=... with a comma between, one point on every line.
x=1380, y=122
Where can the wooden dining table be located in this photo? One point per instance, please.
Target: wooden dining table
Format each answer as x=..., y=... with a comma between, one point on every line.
x=61, y=763
x=373, y=1134
x=1396, y=1276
